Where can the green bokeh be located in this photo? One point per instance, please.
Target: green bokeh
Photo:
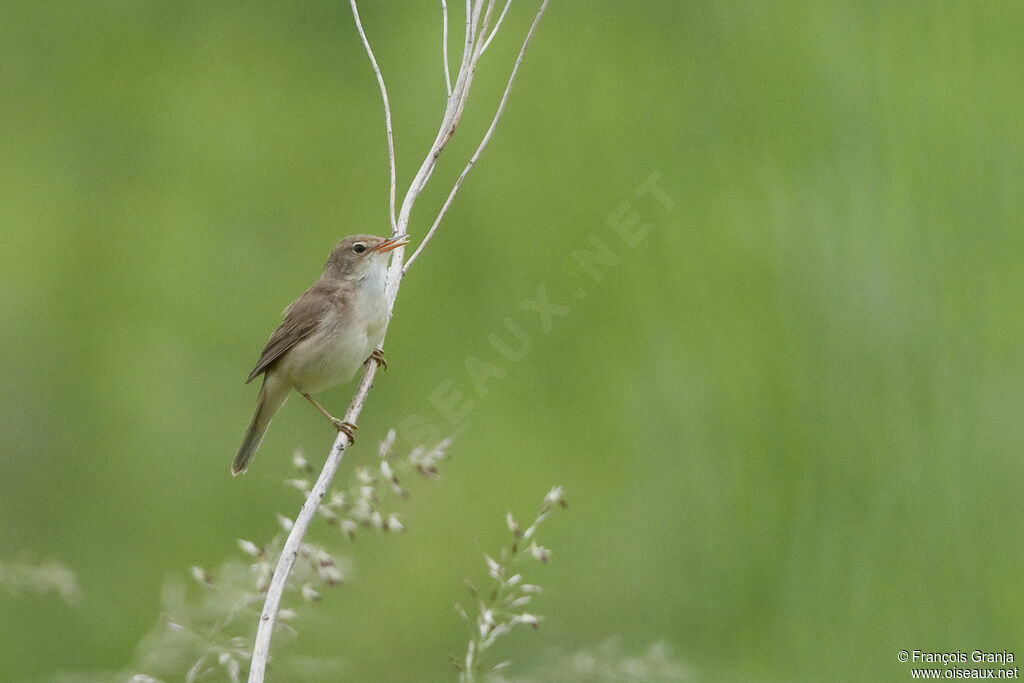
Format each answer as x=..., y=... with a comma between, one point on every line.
x=788, y=418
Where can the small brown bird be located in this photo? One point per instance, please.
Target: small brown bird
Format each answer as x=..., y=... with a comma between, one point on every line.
x=327, y=333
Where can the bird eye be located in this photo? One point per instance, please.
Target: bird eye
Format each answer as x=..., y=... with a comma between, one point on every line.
x=359, y=248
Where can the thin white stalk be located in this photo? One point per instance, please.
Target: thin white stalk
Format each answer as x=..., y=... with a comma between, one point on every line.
x=483, y=142
x=444, y=48
x=290, y=551
x=467, y=51
x=486, y=24
x=453, y=112
x=387, y=114
x=475, y=29
x=474, y=56
x=483, y=29
x=469, y=33
x=497, y=25
x=476, y=19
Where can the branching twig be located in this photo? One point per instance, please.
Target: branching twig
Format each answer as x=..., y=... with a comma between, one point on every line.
x=497, y=25
x=486, y=138
x=459, y=92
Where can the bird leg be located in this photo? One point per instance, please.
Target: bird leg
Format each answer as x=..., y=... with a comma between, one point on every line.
x=347, y=428
x=378, y=357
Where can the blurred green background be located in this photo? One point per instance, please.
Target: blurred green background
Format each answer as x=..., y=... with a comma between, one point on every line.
x=788, y=417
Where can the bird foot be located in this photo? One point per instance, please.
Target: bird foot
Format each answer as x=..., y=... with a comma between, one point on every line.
x=378, y=357
x=347, y=428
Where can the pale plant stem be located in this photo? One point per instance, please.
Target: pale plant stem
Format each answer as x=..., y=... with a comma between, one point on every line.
x=483, y=142
x=476, y=19
x=449, y=121
x=452, y=115
x=482, y=31
x=497, y=25
x=293, y=543
x=474, y=48
x=444, y=48
x=469, y=35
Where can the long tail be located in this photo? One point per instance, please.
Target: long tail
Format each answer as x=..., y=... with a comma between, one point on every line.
x=269, y=402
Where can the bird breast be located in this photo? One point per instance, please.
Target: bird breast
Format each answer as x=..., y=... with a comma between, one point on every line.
x=342, y=341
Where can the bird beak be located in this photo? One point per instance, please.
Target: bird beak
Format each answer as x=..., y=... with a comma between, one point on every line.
x=393, y=243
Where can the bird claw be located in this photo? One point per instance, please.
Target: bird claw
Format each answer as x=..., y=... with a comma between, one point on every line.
x=378, y=357
x=346, y=428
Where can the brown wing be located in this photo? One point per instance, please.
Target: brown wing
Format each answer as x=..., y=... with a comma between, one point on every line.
x=301, y=318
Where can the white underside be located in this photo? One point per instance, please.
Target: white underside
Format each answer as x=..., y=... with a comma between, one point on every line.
x=339, y=346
